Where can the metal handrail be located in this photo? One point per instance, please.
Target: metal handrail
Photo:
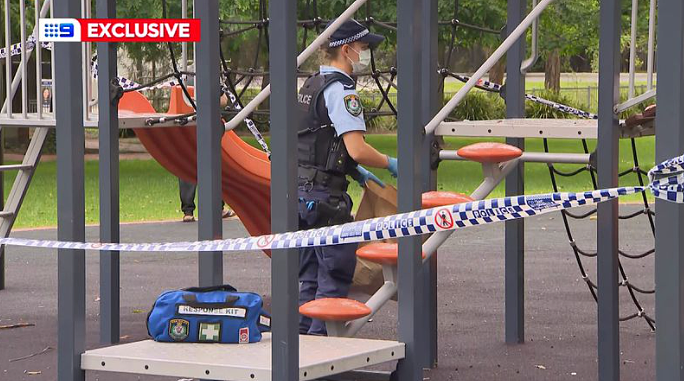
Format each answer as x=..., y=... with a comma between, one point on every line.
x=12, y=83
x=487, y=65
x=526, y=65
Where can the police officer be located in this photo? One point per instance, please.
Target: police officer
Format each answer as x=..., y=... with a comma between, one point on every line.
x=331, y=145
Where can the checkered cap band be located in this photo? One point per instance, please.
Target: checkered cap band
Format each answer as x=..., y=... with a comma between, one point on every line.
x=349, y=40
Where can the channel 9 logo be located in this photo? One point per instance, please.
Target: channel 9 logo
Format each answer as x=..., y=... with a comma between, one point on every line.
x=119, y=30
x=57, y=30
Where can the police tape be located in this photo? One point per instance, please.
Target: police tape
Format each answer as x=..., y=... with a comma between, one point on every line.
x=667, y=183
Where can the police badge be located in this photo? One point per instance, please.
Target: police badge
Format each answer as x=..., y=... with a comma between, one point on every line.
x=178, y=329
x=353, y=104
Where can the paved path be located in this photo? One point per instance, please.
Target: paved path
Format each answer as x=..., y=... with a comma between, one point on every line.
x=561, y=316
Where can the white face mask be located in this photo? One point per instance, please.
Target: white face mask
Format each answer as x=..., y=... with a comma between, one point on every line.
x=364, y=60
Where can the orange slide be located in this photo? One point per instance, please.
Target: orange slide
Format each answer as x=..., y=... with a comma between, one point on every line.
x=246, y=170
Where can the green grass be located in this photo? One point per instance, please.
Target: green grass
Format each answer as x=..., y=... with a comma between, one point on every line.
x=150, y=193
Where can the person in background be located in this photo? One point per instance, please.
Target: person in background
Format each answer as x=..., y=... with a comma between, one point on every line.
x=331, y=145
x=187, y=192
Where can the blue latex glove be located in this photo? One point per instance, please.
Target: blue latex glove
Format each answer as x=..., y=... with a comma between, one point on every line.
x=392, y=167
x=365, y=175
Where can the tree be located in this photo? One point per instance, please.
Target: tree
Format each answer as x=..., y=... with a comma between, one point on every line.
x=566, y=28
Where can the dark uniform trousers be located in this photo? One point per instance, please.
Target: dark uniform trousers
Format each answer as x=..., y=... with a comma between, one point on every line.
x=187, y=196
x=325, y=271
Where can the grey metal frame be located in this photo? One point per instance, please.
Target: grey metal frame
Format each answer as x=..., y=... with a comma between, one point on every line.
x=284, y=263
x=70, y=200
x=409, y=142
x=607, y=227
x=669, y=263
x=209, y=133
x=430, y=95
x=514, y=278
x=108, y=124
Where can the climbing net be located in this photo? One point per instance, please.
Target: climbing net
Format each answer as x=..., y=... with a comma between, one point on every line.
x=235, y=83
x=580, y=252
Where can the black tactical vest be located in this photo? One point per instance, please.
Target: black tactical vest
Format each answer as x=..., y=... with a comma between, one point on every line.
x=319, y=147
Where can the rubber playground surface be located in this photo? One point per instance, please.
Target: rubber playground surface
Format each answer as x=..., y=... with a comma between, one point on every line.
x=561, y=336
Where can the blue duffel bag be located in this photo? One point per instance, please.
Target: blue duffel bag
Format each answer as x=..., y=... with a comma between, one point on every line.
x=217, y=314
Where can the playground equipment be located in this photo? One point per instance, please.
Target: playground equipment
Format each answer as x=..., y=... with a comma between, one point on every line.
x=414, y=319
x=245, y=170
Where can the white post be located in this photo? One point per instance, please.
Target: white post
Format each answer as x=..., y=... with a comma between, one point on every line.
x=52, y=61
x=184, y=45
x=8, y=61
x=39, y=66
x=22, y=65
x=651, y=45
x=632, y=47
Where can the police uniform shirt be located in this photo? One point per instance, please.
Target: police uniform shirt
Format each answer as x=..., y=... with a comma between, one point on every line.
x=344, y=105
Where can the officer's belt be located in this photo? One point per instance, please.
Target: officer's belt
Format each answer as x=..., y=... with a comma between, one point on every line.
x=313, y=176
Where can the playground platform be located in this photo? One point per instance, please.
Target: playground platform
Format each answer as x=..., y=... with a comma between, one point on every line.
x=560, y=322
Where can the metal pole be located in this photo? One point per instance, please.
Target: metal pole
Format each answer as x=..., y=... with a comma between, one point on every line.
x=607, y=231
x=209, y=134
x=488, y=64
x=39, y=63
x=515, y=185
x=2, y=193
x=651, y=44
x=184, y=45
x=527, y=64
x=24, y=61
x=70, y=200
x=431, y=94
x=669, y=263
x=410, y=137
x=303, y=56
x=284, y=263
x=632, y=47
x=2, y=204
x=8, y=61
x=108, y=124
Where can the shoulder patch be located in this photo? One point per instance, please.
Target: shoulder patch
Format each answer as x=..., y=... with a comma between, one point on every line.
x=353, y=104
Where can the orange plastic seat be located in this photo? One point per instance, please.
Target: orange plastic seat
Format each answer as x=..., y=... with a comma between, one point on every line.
x=434, y=199
x=489, y=152
x=334, y=309
x=380, y=252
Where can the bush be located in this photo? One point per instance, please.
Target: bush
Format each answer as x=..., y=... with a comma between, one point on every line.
x=541, y=111
x=50, y=145
x=479, y=106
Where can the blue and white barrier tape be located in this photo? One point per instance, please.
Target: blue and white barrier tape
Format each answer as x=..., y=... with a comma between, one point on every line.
x=15, y=49
x=425, y=221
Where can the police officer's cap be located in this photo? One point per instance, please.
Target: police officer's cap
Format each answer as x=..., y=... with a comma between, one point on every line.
x=352, y=31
